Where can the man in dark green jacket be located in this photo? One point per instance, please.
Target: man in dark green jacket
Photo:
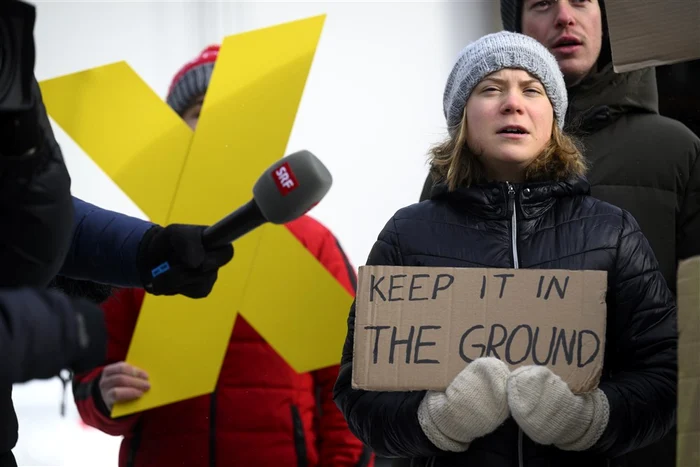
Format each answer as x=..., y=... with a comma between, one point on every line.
x=640, y=161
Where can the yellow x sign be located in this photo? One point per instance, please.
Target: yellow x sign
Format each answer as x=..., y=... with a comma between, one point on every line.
x=174, y=175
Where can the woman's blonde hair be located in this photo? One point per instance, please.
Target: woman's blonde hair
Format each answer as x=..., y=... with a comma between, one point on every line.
x=454, y=163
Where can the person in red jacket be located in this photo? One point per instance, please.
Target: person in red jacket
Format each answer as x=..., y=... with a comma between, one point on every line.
x=262, y=412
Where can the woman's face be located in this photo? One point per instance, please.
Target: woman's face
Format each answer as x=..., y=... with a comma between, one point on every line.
x=509, y=122
x=191, y=113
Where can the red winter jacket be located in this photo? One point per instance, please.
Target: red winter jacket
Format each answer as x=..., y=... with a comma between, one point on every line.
x=262, y=412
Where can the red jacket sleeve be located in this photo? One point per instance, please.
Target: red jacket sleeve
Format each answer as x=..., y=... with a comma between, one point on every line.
x=121, y=311
x=336, y=444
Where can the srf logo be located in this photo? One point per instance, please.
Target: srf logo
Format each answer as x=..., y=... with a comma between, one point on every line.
x=284, y=179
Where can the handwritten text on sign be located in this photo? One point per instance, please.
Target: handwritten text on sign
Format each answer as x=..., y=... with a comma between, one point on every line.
x=416, y=328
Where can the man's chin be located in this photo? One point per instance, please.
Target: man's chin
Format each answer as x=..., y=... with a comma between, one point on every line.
x=573, y=73
x=574, y=68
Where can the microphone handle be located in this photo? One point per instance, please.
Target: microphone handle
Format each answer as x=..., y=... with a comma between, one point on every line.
x=235, y=225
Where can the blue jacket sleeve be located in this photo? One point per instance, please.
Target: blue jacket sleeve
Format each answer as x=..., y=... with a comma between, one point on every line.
x=104, y=246
x=43, y=332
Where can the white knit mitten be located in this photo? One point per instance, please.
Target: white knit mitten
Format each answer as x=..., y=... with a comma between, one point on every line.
x=472, y=406
x=549, y=413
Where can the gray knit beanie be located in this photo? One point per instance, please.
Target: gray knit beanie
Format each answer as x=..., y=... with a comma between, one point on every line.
x=495, y=52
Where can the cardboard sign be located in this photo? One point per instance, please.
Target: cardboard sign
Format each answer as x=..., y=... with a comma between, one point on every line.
x=653, y=32
x=416, y=328
x=689, y=363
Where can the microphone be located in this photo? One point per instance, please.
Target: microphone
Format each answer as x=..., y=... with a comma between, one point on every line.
x=288, y=189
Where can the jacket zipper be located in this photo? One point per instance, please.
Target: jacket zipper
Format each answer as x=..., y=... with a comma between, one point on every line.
x=514, y=225
x=134, y=445
x=299, y=437
x=516, y=265
x=212, y=429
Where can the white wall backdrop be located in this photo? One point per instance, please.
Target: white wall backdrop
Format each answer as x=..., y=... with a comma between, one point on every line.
x=371, y=109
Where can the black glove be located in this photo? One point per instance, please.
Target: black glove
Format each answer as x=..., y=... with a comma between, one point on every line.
x=92, y=336
x=173, y=260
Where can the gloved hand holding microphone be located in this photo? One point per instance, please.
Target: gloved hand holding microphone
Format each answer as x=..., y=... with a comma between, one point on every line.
x=185, y=259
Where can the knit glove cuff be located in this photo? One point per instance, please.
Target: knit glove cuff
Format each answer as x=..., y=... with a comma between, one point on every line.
x=549, y=413
x=472, y=406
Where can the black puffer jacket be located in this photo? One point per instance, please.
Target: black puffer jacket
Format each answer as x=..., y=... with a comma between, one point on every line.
x=557, y=226
x=36, y=226
x=641, y=161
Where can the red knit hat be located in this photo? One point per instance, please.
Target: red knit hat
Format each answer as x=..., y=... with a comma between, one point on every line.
x=192, y=80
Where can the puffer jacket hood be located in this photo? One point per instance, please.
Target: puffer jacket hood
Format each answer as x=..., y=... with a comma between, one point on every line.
x=604, y=96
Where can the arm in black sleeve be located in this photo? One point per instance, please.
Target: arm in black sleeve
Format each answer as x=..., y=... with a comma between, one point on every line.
x=43, y=332
x=641, y=388
x=385, y=421
x=35, y=201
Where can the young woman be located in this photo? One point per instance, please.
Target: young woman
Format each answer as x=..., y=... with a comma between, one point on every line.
x=511, y=194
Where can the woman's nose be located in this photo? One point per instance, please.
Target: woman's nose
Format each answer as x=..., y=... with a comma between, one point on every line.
x=512, y=104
